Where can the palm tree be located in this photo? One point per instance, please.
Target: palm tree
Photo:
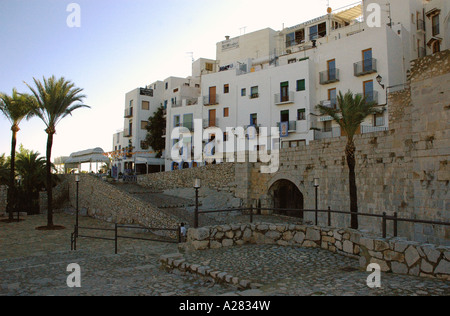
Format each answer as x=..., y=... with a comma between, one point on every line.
x=15, y=108
x=33, y=169
x=351, y=111
x=4, y=171
x=55, y=99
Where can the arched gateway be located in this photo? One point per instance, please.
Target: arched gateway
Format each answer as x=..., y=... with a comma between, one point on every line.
x=286, y=195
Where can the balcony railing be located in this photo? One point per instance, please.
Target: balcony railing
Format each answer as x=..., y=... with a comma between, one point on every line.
x=325, y=134
x=128, y=113
x=127, y=133
x=212, y=99
x=365, y=67
x=285, y=98
x=372, y=129
x=329, y=103
x=210, y=123
x=371, y=96
x=329, y=76
x=292, y=126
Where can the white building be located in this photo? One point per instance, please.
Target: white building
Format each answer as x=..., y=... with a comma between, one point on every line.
x=275, y=79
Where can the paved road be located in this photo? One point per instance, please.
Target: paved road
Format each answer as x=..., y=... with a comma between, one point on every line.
x=34, y=263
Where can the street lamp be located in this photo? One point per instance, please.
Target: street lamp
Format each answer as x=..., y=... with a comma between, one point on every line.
x=77, y=180
x=19, y=182
x=379, y=80
x=316, y=186
x=197, y=186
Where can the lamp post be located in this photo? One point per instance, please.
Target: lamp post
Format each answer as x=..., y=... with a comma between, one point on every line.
x=19, y=182
x=77, y=180
x=197, y=186
x=316, y=186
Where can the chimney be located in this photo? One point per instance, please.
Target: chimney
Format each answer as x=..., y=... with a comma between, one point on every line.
x=227, y=38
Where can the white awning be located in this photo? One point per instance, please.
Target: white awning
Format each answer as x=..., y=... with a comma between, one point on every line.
x=150, y=161
x=87, y=156
x=350, y=14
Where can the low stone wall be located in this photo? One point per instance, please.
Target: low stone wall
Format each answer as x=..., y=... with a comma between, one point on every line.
x=3, y=198
x=396, y=255
x=103, y=201
x=219, y=177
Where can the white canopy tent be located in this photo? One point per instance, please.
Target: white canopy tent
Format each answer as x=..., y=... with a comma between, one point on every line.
x=90, y=156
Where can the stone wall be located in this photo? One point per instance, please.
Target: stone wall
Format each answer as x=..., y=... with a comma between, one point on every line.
x=395, y=255
x=3, y=198
x=218, y=177
x=105, y=202
x=404, y=170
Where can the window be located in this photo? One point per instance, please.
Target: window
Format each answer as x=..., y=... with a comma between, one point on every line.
x=254, y=93
x=144, y=125
x=226, y=112
x=295, y=38
x=284, y=87
x=378, y=120
x=254, y=119
x=301, y=115
x=284, y=116
x=225, y=136
x=131, y=103
x=332, y=97
x=367, y=60
x=435, y=25
x=167, y=85
x=209, y=67
x=165, y=104
x=436, y=47
x=331, y=64
x=301, y=85
x=368, y=90
x=243, y=92
x=145, y=105
x=188, y=121
x=317, y=31
x=226, y=88
x=292, y=61
x=176, y=121
x=327, y=127
x=176, y=90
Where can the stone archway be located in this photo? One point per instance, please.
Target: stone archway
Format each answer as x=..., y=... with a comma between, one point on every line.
x=284, y=194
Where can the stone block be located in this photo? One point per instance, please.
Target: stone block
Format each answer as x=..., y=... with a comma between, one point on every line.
x=299, y=237
x=383, y=265
x=393, y=256
x=426, y=267
x=227, y=243
x=348, y=247
x=411, y=256
x=399, y=268
x=367, y=243
x=431, y=253
x=443, y=267
x=312, y=234
x=200, y=245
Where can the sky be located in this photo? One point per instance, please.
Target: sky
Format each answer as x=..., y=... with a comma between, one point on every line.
x=120, y=45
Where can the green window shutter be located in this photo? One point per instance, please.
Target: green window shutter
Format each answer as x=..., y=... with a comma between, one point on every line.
x=301, y=85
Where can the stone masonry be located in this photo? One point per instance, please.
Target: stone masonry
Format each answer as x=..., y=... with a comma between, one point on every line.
x=396, y=255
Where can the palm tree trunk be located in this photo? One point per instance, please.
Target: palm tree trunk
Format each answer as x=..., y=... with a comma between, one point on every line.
x=12, y=175
x=49, y=180
x=351, y=162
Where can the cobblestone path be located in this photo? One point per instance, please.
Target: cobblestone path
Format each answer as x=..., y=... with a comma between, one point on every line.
x=34, y=263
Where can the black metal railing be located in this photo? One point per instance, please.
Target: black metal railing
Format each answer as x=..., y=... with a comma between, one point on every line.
x=76, y=235
x=365, y=67
x=384, y=217
x=329, y=76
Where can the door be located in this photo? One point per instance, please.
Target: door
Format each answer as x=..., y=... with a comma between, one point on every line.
x=212, y=118
x=212, y=95
x=368, y=90
x=331, y=69
x=284, y=91
x=367, y=60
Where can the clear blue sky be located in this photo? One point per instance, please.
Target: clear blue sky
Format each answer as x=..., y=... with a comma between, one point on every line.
x=121, y=45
